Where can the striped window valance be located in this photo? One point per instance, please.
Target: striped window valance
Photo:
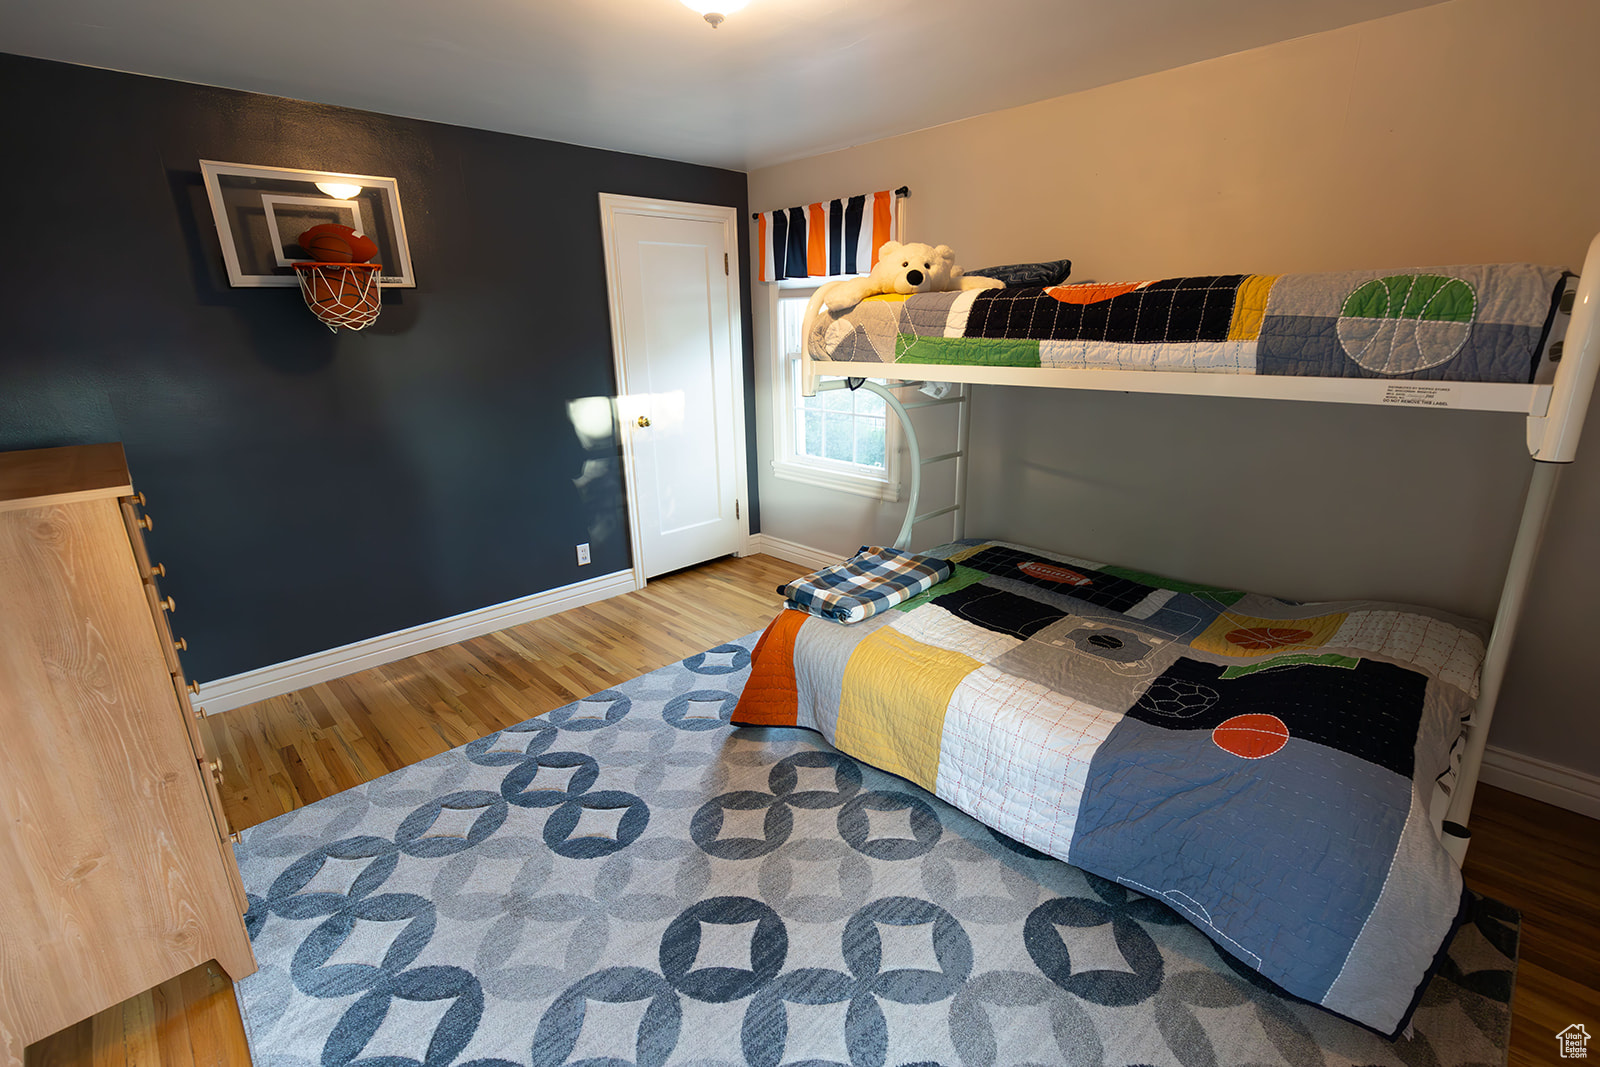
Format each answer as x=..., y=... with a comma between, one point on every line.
x=831, y=237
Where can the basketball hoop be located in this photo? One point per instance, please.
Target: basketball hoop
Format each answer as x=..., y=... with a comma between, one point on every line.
x=341, y=294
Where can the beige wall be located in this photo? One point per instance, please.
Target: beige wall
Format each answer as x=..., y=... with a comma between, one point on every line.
x=1464, y=132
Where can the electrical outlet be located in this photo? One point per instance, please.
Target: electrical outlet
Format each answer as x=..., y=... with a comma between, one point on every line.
x=583, y=554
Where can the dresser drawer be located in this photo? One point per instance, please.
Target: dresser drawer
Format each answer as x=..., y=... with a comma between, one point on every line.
x=160, y=606
x=191, y=717
x=211, y=774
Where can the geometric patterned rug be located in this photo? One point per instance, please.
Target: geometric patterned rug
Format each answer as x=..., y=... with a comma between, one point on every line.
x=629, y=880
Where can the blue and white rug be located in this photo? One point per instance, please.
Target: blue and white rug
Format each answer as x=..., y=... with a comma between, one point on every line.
x=628, y=880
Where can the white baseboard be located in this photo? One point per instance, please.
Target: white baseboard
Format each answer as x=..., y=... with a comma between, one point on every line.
x=1550, y=782
x=225, y=694
x=815, y=558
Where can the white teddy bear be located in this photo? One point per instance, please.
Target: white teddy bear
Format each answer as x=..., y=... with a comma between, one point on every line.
x=903, y=269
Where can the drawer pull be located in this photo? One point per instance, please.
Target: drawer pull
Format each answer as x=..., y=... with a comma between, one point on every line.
x=181, y=644
x=140, y=498
x=168, y=604
x=147, y=522
x=158, y=570
x=193, y=687
x=216, y=771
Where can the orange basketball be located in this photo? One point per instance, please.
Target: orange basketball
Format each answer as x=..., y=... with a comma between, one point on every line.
x=1251, y=736
x=340, y=288
x=330, y=242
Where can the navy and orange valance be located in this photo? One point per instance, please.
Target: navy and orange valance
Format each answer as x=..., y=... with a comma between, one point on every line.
x=831, y=237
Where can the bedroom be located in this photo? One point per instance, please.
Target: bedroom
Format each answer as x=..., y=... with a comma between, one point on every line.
x=339, y=489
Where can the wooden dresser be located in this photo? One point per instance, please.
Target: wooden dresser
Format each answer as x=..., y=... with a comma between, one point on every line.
x=116, y=871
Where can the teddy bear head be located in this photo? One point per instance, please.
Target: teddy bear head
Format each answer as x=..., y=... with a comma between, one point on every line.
x=915, y=268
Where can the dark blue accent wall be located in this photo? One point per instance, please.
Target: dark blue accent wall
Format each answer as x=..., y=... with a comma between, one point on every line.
x=312, y=490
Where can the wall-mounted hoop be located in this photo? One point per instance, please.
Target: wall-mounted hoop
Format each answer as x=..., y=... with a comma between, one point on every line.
x=341, y=294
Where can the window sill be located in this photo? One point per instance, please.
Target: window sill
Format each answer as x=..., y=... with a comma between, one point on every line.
x=857, y=484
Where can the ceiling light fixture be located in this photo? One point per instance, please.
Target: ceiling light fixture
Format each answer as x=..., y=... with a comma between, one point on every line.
x=714, y=11
x=339, y=190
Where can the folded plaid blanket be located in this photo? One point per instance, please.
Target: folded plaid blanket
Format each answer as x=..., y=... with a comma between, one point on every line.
x=872, y=580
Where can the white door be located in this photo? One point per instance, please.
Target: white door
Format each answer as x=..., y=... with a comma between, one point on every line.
x=675, y=327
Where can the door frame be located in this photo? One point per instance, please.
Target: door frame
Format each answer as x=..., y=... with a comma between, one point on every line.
x=612, y=205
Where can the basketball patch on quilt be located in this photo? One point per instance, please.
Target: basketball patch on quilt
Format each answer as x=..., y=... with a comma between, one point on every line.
x=1404, y=323
x=1233, y=634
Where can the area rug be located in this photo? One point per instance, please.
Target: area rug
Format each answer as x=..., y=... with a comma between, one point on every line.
x=629, y=880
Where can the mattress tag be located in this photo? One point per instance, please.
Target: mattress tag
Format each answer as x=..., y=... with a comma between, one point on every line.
x=1417, y=394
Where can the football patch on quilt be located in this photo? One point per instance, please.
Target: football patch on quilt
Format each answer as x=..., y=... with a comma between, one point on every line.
x=1101, y=589
x=1176, y=610
x=1366, y=708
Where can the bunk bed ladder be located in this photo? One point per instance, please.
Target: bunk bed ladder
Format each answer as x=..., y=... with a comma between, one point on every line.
x=957, y=508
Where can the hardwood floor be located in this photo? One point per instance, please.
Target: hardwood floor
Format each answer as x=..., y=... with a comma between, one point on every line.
x=1545, y=861
x=288, y=751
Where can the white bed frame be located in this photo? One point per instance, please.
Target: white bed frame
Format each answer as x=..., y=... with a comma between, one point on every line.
x=1554, y=413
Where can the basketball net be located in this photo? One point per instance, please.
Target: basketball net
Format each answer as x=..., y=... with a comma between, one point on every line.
x=341, y=294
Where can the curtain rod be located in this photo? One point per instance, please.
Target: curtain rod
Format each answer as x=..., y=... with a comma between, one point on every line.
x=904, y=190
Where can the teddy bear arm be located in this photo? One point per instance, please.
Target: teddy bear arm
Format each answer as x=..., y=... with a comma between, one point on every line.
x=977, y=281
x=847, y=294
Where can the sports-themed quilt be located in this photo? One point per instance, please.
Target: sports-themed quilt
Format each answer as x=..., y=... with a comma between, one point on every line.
x=1487, y=323
x=1272, y=771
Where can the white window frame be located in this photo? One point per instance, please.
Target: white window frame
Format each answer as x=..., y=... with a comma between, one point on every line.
x=787, y=462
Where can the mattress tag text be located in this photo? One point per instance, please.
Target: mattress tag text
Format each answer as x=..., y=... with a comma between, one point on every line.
x=1415, y=394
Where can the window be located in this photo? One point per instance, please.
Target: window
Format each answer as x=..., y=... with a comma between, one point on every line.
x=840, y=439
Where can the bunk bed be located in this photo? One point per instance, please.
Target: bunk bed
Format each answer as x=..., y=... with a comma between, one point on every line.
x=1125, y=722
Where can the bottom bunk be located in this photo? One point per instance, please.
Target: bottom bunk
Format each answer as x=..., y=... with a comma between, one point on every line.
x=1275, y=772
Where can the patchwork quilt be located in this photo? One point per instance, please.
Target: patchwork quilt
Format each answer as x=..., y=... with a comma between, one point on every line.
x=1274, y=772
x=1485, y=323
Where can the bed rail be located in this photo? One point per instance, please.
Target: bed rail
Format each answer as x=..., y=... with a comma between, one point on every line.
x=1553, y=436
x=1553, y=443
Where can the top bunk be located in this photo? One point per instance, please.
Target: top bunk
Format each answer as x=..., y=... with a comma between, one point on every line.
x=1516, y=338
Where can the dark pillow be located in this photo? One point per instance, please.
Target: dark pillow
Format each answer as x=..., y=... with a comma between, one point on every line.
x=1027, y=275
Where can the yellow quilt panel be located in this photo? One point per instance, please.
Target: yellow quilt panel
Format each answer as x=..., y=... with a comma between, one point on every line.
x=892, y=705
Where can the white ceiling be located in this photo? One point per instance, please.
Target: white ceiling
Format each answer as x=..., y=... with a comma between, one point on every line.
x=780, y=80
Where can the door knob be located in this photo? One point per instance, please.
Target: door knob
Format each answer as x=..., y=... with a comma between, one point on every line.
x=644, y=420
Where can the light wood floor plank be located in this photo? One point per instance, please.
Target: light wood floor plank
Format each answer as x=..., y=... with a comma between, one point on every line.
x=291, y=750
